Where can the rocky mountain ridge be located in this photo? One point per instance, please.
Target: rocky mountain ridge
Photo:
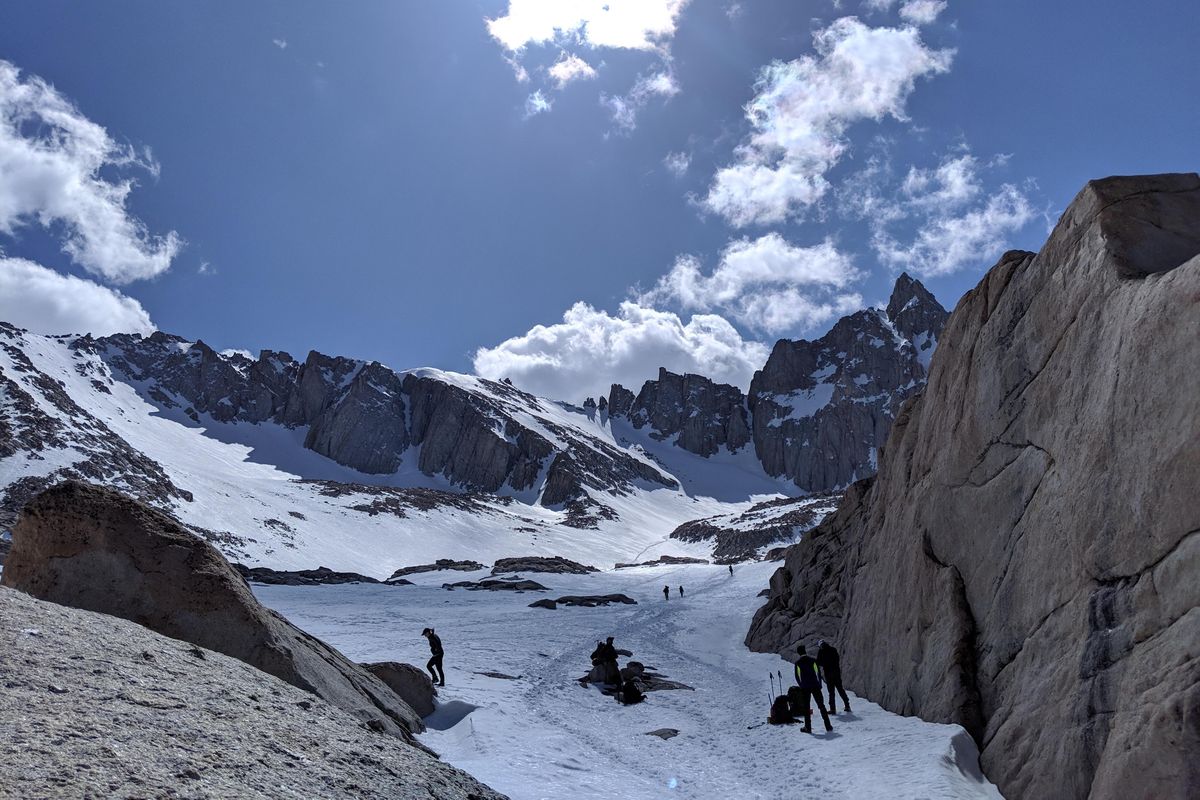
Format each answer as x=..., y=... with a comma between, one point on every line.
x=1024, y=563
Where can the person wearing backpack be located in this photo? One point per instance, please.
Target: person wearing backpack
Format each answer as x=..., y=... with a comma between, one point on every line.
x=629, y=693
x=436, y=654
x=808, y=679
x=831, y=669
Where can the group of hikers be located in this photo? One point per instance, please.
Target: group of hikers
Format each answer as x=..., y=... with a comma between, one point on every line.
x=606, y=671
x=809, y=672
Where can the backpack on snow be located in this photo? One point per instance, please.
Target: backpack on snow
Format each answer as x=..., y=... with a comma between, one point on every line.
x=781, y=712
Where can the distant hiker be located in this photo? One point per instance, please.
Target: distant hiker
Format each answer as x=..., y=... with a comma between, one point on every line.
x=809, y=682
x=731, y=570
x=681, y=591
x=629, y=693
x=667, y=592
x=435, y=663
x=831, y=669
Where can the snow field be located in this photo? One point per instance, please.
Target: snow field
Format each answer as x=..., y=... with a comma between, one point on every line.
x=544, y=736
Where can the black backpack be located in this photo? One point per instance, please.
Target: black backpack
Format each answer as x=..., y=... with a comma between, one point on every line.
x=781, y=711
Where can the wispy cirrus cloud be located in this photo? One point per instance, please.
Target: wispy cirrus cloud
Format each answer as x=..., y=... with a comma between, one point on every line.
x=801, y=113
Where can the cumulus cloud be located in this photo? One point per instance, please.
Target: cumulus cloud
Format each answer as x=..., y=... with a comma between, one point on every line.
x=766, y=284
x=280, y=43
x=677, y=163
x=591, y=349
x=44, y=301
x=51, y=157
x=922, y=12
x=625, y=108
x=801, y=112
x=947, y=241
x=624, y=24
x=570, y=67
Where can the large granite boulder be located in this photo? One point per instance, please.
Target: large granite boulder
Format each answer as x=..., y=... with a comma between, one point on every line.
x=95, y=549
x=556, y=564
x=1025, y=563
x=413, y=684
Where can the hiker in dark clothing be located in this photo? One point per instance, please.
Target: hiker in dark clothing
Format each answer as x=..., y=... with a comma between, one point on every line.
x=667, y=592
x=831, y=669
x=435, y=663
x=604, y=664
x=731, y=570
x=629, y=693
x=681, y=591
x=809, y=682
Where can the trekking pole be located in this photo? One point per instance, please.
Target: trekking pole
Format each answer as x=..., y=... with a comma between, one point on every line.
x=772, y=679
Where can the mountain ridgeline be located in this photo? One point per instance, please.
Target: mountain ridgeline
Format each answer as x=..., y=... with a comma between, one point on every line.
x=818, y=410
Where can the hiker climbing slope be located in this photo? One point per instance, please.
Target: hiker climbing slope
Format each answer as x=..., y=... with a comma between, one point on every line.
x=831, y=669
x=666, y=592
x=809, y=682
x=435, y=661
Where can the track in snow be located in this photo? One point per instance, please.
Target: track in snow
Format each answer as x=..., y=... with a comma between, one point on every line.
x=545, y=736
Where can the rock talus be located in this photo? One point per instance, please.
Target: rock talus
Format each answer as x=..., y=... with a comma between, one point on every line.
x=1025, y=563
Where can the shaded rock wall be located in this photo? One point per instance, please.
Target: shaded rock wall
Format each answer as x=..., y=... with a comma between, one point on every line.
x=1025, y=562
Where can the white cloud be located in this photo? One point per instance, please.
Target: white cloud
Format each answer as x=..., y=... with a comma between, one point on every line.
x=677, y=163
x=766, y=284
x=947, y=242
x=922, y=12
x=570, y=67
x=537, y=103
x=950, y=185
x=802, y=110
x=591, y=349
x=623, y=24
x=44, y=301
x=280, y=43
x=51, y=158
x=625, y=108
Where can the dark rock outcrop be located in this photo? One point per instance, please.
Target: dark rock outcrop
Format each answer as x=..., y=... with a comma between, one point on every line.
x=664, y=560
x=440, y=564
x=498, y=585
x=586, y=601
x=739, y=537
x=703, y=416
x=304, y=577
x=95, y=549
x=556, y=564
x=822, y=408
x=1024, y=564
x=412, y=684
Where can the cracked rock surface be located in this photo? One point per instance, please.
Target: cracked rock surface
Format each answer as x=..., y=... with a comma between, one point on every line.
x=1025, y=563
x=96, y=706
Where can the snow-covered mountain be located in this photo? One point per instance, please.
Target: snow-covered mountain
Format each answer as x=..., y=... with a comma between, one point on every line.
x=352, y=465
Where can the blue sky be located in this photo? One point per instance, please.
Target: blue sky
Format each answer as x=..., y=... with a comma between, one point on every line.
x=566, y=192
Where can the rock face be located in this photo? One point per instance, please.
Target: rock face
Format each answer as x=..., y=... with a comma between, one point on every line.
x=304, y=577
x=703, y=416
x=413, y=684
x=1025, y=562
x=822, y=408
x=95, y=549
x=556, y=564
x=740, y=537
x=440, y=564
x=133, y=713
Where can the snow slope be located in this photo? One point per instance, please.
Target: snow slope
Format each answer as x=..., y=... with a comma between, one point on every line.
x=544, y=736
x=260, y=496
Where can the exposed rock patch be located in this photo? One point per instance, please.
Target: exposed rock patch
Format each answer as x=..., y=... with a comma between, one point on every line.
x=553, y=564
x=437, y=566
x=498, y=585
x=304, y=577
x=663, y=561
x=412, y=684
x=586, y=601
x=740, y=537
x=1025, y=562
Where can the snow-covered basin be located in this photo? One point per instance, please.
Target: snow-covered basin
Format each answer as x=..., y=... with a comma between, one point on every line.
x=544, y=736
